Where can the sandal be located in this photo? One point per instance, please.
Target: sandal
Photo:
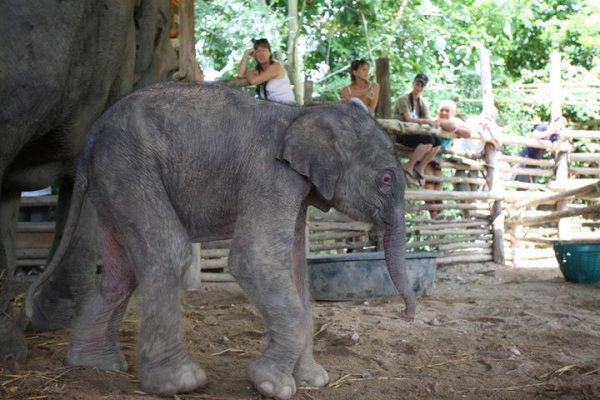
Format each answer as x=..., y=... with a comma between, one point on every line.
x=408, y=177
x=419, y=177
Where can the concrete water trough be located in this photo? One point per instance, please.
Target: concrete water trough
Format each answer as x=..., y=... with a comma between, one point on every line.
x=353, y=276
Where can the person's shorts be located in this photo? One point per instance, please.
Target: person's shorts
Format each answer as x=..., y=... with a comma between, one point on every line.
x=413, y=141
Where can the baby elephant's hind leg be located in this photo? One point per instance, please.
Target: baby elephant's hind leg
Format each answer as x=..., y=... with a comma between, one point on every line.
x=93, y=339
x=163, y=253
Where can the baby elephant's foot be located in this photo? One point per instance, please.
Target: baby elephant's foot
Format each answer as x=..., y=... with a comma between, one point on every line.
x=111, y=359
x=168, y=379
x=270, y=381
x=310, y=373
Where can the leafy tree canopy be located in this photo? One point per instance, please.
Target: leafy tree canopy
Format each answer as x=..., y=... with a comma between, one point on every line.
x=439, y=37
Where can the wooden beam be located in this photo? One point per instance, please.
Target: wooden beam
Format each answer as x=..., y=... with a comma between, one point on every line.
x=450, y=195
x=594, y=187
x=555, y=216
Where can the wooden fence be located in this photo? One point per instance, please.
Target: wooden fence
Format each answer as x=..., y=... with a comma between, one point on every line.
x=504, y=220
x=533, y=214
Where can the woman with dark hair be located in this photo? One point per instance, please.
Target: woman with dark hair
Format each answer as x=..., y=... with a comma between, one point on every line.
x=270, y=78
x=412, y=108
x=361, y=88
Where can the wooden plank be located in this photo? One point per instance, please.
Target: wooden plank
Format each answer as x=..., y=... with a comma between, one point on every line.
x=436, y=242
x=340, y=226
x=448, y=205
x=594, y=187
x=35, y=227
x=526, y=160
x=584, y=171
x=555, y=216
x=577, y=134
x=525, y=185
x=450, y=195
x=527, y=171
x=440, y=232
x=585, y=157
x=464, y=259
x=39, y=201
x=39, y=240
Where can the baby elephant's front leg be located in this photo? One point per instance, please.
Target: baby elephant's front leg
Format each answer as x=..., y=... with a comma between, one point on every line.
x=272, y=372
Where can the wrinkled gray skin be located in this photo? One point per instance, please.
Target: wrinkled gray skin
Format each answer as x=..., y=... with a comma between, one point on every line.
x=183, y=162
x=62, y=63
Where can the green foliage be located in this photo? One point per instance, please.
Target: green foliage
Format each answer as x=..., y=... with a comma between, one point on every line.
x=438, y=37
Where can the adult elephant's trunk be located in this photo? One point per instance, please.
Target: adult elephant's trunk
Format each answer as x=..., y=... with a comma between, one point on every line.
x=394, y=245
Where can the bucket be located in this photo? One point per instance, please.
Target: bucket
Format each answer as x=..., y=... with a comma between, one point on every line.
x=579, y=262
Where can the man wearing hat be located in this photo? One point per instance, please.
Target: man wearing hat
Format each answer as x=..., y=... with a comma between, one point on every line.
x=412, y=108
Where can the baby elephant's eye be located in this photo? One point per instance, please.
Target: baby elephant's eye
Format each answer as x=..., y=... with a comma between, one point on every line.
x=386, y=179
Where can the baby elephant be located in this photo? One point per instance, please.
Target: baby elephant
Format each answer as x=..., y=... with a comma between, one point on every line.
x=178, y=163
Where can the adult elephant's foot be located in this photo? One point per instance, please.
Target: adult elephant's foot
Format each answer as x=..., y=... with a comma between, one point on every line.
x=13, y=348
x=168, y=379
x=310, y=373
x=109, y=358
x=270, y=381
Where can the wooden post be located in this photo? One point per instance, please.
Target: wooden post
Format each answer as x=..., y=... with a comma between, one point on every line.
x=562, y=164
x=188, y=66
x=382, y=75
x=491, y=158
x=485, y=73
x=308, y=91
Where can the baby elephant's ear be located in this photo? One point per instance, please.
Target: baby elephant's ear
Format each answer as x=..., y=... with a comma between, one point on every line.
x=309, y=148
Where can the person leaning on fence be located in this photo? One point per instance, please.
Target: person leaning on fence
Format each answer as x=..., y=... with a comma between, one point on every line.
x=549, y=133
x=271, y=79
x=485, y=126
x=361, y=88
x=412, y=108
x=448, y=122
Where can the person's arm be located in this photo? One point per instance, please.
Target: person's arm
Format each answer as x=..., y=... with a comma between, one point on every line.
x=243, y=65
x=345, y=93
x=491, y=132
x=273, y=71
x=375, y=98
x=455, y=125
x=409, y=118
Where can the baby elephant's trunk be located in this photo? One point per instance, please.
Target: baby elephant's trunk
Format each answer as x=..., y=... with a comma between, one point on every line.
x=394, y=244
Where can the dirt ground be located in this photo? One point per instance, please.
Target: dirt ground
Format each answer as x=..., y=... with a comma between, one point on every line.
x=485, y=332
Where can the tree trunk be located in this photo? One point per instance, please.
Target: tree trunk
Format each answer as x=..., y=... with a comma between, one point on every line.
x=188, y=66
x=296, y=50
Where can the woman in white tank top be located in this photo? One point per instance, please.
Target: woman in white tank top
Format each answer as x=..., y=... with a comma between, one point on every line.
x=361, y=88
x=270, y=78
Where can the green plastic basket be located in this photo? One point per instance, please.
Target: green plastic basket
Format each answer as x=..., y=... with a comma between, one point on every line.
x=579, y=261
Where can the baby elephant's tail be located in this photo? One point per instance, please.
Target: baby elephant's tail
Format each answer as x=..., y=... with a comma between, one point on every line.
x=79, y=191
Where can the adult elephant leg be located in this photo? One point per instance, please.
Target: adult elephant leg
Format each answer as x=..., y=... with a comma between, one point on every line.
x=12, y=343
x=75, y=279
x=306, y=371
x=261, y=259
x=94, y=335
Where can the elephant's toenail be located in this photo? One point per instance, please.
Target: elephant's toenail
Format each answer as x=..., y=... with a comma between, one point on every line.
x=267, y=388
x=286, y=392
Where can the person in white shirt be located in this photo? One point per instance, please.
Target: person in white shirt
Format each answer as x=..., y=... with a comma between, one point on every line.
x=361, y=88
x=271, y=79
